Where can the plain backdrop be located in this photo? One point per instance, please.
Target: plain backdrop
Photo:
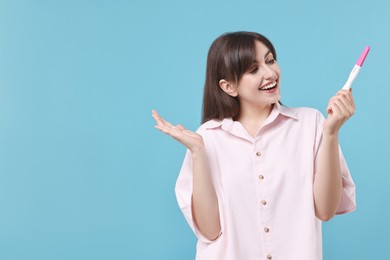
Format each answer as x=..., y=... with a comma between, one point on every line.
x=83, y=172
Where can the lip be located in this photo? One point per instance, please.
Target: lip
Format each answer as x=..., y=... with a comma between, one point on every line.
x=272, y=90
x=269, y=83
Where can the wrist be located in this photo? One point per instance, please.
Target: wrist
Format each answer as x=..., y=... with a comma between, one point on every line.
x=198, y=151
x=330, y=134
x=330, y=131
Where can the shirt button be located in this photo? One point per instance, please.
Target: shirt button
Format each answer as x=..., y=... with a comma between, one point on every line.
x=261, y=177
x=264, y=202
x=269, y=256
x=258, y=154
x=266, y=230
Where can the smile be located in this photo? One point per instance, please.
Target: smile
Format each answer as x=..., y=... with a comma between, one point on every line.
x=269, y=86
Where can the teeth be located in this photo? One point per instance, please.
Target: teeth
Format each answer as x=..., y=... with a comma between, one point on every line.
x=269, y=86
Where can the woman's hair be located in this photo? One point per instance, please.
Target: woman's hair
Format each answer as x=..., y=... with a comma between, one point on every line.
x=229, y=57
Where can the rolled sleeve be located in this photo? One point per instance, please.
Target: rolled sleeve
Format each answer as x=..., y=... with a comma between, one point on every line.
x=348, y=196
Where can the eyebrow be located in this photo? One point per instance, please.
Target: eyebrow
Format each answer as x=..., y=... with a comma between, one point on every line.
x=265, y=56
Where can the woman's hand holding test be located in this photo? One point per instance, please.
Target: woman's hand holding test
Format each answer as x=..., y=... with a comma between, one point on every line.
x=340, y=108
x=327, y=179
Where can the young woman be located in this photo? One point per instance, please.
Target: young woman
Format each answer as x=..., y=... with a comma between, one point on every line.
x=259, y=178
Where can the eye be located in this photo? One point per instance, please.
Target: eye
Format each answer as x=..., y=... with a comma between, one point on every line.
x=254, y=70
x=271, y=61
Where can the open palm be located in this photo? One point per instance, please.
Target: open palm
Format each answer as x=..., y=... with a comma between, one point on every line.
x=191, y=140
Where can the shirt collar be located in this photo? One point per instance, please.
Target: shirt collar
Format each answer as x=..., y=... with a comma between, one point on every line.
x=286, y=111
x=277, y=110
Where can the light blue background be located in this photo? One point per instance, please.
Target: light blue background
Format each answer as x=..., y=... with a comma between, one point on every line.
x=83, y=173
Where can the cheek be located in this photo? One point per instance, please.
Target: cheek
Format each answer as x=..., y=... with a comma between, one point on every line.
x=277, y=71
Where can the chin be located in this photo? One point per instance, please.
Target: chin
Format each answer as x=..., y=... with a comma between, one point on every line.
x=275, y=99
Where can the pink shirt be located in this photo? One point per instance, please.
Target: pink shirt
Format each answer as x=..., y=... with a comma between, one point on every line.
x=264, y=186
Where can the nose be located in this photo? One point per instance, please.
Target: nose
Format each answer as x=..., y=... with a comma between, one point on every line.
x=269, y=73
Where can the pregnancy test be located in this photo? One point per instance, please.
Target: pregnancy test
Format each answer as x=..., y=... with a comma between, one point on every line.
x=356, y=69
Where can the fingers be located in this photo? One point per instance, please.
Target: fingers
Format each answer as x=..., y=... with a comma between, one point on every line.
x=338, y=110
x=342, y=103
x=180, y=127
x=340, y=107
x=348, y=97
x=166, y=127
x=192, y=140
x=159, y=120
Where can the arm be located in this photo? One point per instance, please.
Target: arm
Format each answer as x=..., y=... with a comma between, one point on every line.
x=204, y=199
x=205, y=208
x=327, y=181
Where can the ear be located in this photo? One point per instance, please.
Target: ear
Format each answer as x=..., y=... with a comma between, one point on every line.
x=228, y=88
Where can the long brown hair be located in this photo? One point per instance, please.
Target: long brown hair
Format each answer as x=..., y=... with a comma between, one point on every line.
x=229, y=57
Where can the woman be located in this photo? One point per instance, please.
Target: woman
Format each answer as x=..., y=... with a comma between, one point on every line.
x=259, y=178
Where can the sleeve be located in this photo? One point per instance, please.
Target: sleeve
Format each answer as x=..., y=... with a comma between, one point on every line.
x=348, y=196
x=183, y=191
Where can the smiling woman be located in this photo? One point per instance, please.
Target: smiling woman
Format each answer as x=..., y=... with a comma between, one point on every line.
x=230, y=57
x=258, y=178
x=262, y=76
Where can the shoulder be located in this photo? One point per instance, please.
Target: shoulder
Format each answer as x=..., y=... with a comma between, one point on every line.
x=210, y=125
x=306, y=116
x=305, y=112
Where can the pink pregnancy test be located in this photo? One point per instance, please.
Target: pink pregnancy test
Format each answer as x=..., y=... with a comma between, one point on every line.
x=356, y=69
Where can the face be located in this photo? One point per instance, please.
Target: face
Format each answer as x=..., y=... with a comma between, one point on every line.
x=259, y=86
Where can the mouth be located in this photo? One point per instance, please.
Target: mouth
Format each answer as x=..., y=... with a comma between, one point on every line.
x=269, y=86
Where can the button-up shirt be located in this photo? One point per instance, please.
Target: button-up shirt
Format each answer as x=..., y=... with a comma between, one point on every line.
x=264, y=186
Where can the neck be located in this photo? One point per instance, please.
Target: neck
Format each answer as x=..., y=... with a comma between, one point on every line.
x=252, y=118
